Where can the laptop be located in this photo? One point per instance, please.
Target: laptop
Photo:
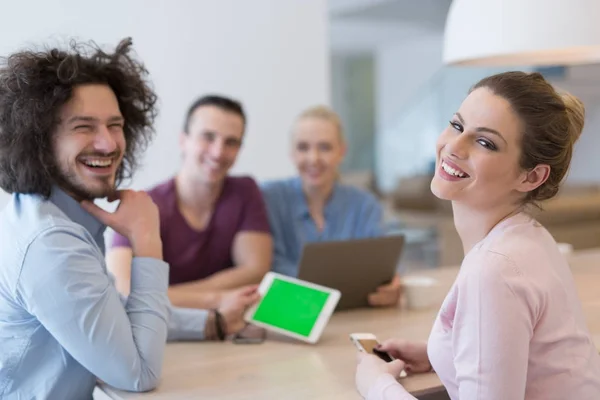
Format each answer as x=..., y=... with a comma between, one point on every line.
x=354, y=267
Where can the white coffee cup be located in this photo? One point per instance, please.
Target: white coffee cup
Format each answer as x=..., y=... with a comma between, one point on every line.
x=421, y=291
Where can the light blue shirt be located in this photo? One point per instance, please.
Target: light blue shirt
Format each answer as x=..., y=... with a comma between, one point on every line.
x=350, y=213
x=62, y=322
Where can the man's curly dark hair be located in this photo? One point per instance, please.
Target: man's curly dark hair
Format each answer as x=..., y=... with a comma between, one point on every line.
x=33, y=88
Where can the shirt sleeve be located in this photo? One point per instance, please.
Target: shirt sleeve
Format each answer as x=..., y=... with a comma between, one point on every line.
x=282, y=264
x=186, y=324
x=371, y=222
x=119, y=240
x=283, y=261
x=64, y=284
x=388, y=388
x=254, y=217
x=493, y=326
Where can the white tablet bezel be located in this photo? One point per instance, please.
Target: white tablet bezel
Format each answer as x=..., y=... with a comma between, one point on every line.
x=317, y=330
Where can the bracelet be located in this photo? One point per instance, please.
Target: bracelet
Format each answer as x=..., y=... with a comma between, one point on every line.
x=220, y=325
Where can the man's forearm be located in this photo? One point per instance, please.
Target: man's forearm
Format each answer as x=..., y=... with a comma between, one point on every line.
x=189, y=298
x=235, y=277
x=230, y=278
x=206, y=293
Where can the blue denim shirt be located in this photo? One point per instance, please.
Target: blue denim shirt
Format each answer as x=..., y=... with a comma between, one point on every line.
x=350, y=213
x=62, y=322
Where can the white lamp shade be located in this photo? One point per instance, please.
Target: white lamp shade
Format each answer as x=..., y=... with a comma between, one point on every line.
x=522, y=32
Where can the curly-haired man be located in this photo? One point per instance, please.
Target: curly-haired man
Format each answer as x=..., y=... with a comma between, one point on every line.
x=72, y=124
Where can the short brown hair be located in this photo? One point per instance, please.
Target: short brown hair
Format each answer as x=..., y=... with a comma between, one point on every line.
x=34, y=85
x=551, y=122
x=221, y=102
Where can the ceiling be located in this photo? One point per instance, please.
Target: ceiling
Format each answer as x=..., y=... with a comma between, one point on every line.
x=363, y=25
x=429, y=12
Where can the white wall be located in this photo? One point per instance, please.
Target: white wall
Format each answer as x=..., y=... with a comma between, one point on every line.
x=270, y=54
x=406, y=116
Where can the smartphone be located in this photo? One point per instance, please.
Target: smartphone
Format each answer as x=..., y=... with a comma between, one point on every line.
x=368, y=342
x=251, y=334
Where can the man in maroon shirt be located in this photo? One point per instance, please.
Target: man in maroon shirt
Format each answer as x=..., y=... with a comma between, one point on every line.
x=214, y=227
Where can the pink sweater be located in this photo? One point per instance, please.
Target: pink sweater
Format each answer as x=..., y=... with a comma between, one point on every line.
x=512, y=326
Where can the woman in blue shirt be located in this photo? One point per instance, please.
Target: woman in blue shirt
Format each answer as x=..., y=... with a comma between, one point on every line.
x=313, y=206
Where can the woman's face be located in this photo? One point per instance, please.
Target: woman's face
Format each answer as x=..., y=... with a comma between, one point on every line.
x=317, y=151
x=478, y=154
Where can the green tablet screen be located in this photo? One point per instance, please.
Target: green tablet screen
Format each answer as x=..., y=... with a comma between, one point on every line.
x=292, y=307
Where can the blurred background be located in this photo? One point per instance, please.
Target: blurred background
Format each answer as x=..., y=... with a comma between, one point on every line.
x=378, y=63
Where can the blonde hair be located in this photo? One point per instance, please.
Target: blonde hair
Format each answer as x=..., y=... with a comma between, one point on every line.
x=325, y=113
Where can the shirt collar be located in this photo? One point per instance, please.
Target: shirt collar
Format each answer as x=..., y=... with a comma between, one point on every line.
x=302, y=211
x=77, y=214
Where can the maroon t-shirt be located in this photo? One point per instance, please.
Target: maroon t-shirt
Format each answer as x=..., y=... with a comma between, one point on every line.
x=193, y=254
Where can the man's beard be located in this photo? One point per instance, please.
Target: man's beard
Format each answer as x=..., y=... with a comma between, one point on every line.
x=70, y=182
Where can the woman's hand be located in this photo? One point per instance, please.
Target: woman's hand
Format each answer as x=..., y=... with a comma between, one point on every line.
x=414, y=354
x=370, y=368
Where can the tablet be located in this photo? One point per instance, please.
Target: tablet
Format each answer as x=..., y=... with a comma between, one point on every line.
x=293, y=307
x=354, y=267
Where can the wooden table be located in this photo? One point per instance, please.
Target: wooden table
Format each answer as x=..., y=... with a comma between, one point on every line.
x=284, y=369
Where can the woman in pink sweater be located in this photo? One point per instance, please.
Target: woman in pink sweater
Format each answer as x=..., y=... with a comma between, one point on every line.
x=511, y=326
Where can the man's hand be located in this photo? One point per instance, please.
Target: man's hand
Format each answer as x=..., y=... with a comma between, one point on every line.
x=136, y=218
x=234, y=304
